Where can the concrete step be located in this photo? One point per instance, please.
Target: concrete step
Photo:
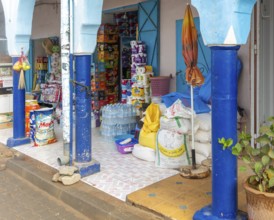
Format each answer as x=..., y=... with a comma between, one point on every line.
x=84, y=198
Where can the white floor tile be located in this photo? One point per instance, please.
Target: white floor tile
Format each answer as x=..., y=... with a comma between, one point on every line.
x=120, y=174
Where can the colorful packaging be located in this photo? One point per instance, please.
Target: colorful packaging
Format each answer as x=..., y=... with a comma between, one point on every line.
x=44, y=127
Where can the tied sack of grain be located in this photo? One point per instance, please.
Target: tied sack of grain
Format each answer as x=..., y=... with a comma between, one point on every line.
x=177, y=124
x=151, y=126
x=171, y=150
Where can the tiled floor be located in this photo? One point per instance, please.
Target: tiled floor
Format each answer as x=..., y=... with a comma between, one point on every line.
x=179, y=198
x=120, y=174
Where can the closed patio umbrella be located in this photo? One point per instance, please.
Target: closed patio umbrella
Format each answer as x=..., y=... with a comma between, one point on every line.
x=194, y=76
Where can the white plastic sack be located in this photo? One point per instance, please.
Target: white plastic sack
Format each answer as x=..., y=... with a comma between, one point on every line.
x=177, y=109
x=179, y=125
x=204, y=121
x=143, y=153
x=202, y=148
x=203, y=136
x=171, y=150
x=162, y=108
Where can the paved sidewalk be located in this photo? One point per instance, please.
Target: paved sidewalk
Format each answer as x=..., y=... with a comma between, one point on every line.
x=27, y=192
x=21, y=200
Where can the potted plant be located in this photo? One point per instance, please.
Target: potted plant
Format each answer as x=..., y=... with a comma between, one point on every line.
x=259, y=186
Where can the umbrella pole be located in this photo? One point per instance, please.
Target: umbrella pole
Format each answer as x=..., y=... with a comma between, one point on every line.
x=192, y=130
x=194, y=171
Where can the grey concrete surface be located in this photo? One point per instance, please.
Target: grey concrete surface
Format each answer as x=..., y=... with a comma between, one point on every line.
x=27, y=192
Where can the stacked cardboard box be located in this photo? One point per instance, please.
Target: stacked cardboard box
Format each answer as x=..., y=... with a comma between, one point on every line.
x=104, y=82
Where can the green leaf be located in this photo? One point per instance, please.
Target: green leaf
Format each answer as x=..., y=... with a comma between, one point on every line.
x=271, y=182
x=225, y=142
x=257, y=178
x=229, y=142
x=258, y=167
x=271, y=154
x=265, y=149
x=263, y=140
x=245, y=142
x=242, y=168
x=260, y=186
x=271, y=118
x=244, y=136
x=251, y=179
x=220, y=140
x=270, y=133
x=255, y=151
x=237, y=149
x=264, y=129
x=235, y=152
x=246, y=159
x=270, y=173
x=265, y=160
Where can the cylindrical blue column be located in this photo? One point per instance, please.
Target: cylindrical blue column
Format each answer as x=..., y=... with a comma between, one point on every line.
x=18, y=105
x=83, y=109
x=224, y=124
x=71, y=90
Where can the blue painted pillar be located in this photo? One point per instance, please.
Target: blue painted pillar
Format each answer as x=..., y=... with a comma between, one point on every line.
x=83, y=109
x=224, y=124
x=19, y=134
x=86, y=21
x=224, y=88
x=83, y=152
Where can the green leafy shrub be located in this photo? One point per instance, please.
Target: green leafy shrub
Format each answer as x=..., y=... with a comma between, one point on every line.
x=259, y=159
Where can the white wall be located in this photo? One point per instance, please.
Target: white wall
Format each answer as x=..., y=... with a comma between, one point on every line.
x=46, y=21
x=170, y=11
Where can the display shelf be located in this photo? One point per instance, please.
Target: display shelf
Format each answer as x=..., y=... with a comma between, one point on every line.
x=6, y=87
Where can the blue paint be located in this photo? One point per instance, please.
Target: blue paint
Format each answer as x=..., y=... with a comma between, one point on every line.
x=221, y=17
x=224, y=124
x=83, y=109
x=19, y=134
x=206, y=214
x=183, y=207
x=148, y=29
x=152, y=194
x=86, y=169
x=204, y=57
x=71, y=90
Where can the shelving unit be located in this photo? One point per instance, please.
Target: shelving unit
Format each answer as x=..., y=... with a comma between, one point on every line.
x=105, y=76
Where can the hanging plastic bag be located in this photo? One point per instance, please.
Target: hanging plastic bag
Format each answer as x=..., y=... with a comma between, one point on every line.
x=21, y=65
x=151, y=125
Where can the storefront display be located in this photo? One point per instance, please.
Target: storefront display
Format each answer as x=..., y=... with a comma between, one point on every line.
x=104, y=83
